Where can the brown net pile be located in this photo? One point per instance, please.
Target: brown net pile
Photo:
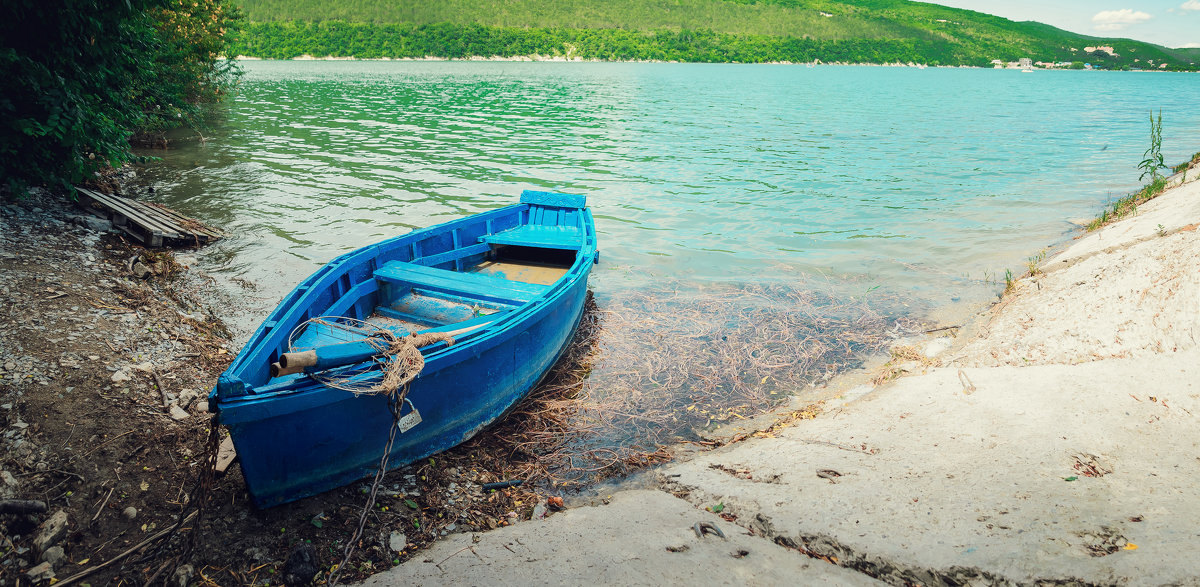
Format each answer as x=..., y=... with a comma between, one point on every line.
x=651, y=368
x=397, y=362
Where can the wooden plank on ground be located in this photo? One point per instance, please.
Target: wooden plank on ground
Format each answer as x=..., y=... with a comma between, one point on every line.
x=138, y=213
x=225, y=455
x=149, y=222
x=188, y=224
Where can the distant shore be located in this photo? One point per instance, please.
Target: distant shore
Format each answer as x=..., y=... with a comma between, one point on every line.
x=562, y=59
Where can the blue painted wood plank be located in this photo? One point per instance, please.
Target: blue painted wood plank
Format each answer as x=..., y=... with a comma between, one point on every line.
x=553, y=199
x=469, y=285
x=549, y=237
x=438, y=259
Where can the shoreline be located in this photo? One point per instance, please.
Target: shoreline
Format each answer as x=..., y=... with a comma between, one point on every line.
x=169, y=349
x=1055, y=444
x=102, y=383
x=536, y=58
x=567, y=59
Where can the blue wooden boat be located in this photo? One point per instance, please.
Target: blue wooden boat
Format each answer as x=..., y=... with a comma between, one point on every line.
x=508, y=285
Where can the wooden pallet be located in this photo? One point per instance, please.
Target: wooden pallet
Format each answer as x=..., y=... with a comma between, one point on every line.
x=152, y=224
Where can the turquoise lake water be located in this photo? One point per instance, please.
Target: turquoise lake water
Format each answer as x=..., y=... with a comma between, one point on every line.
x=929, y=182
x=761, y=227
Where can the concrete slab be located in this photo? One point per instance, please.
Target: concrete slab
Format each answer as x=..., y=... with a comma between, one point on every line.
x=640, y=538
x=1048, y=473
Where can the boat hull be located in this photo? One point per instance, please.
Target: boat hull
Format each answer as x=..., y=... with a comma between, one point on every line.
x=296, y=437
x=330, y=437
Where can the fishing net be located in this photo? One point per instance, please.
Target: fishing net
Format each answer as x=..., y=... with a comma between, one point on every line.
x=397, y=361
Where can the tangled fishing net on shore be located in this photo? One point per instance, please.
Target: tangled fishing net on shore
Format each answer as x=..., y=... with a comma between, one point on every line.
x=396, y=360
x=652, y=367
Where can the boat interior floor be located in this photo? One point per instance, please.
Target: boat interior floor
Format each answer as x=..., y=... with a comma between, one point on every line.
x=423, y=309
x=524, y=271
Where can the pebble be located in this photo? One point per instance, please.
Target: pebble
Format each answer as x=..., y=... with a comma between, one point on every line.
x=130, y=512
x=53, y=555
x=50, y=532
x=41, y=573
x=397, y=540
x=182, y=576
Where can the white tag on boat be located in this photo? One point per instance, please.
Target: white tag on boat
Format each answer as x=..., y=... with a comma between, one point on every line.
x=407, y=421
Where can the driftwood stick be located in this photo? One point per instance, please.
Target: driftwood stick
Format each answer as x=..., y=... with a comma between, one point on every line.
x=101, y=508
x=108, y=441
x=120, y=557
x=22, y=506
x=161, y=389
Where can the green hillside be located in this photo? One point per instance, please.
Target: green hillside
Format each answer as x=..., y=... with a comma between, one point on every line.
x=858, y=31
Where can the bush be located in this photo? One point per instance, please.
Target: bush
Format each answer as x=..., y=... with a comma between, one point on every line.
x=81, y=76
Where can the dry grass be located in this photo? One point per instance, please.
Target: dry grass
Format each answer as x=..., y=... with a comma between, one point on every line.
x=904, y=358
x=652, y=368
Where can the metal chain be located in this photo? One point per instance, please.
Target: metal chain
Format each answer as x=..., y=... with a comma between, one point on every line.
x=197, y=498
x=395, y=402
x=204, y=483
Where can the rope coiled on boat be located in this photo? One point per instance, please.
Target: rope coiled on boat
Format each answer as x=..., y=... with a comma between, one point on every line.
x=398, y=357
x=406, y=358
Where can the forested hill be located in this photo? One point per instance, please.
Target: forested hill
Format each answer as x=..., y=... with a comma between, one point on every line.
x=854, y=31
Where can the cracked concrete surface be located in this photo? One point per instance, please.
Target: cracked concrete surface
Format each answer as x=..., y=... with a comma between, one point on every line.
x=642, y=537
x=1061, y=446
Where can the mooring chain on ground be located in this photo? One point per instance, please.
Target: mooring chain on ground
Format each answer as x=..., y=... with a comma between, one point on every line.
x=198, y=497
x=395, y=402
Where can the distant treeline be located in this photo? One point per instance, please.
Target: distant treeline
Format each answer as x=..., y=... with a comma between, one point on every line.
x=285, y=40
x=858, y=31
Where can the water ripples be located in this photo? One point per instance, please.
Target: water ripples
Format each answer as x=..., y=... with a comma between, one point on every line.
x=924, y=181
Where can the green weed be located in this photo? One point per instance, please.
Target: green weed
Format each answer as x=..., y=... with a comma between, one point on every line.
x=1153, y=159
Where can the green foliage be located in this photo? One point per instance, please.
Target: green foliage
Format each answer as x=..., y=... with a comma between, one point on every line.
x=1153, y=160
x=1129, y=204
x=285, y=40
x=858, y=31
x=82, y=75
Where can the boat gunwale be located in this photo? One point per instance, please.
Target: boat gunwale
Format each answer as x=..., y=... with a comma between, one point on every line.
x=485, y=338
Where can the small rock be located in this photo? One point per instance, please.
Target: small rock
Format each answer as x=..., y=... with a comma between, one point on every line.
x=182, y=576
x=50, y=532
x=178, y=413
x=186, y=397
x=121, y=376
x=301, y=565
x=41, y=573
x=93, y=223
x=146, y=367
x=397, y=541
x=53, y=555
x=130, y=512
